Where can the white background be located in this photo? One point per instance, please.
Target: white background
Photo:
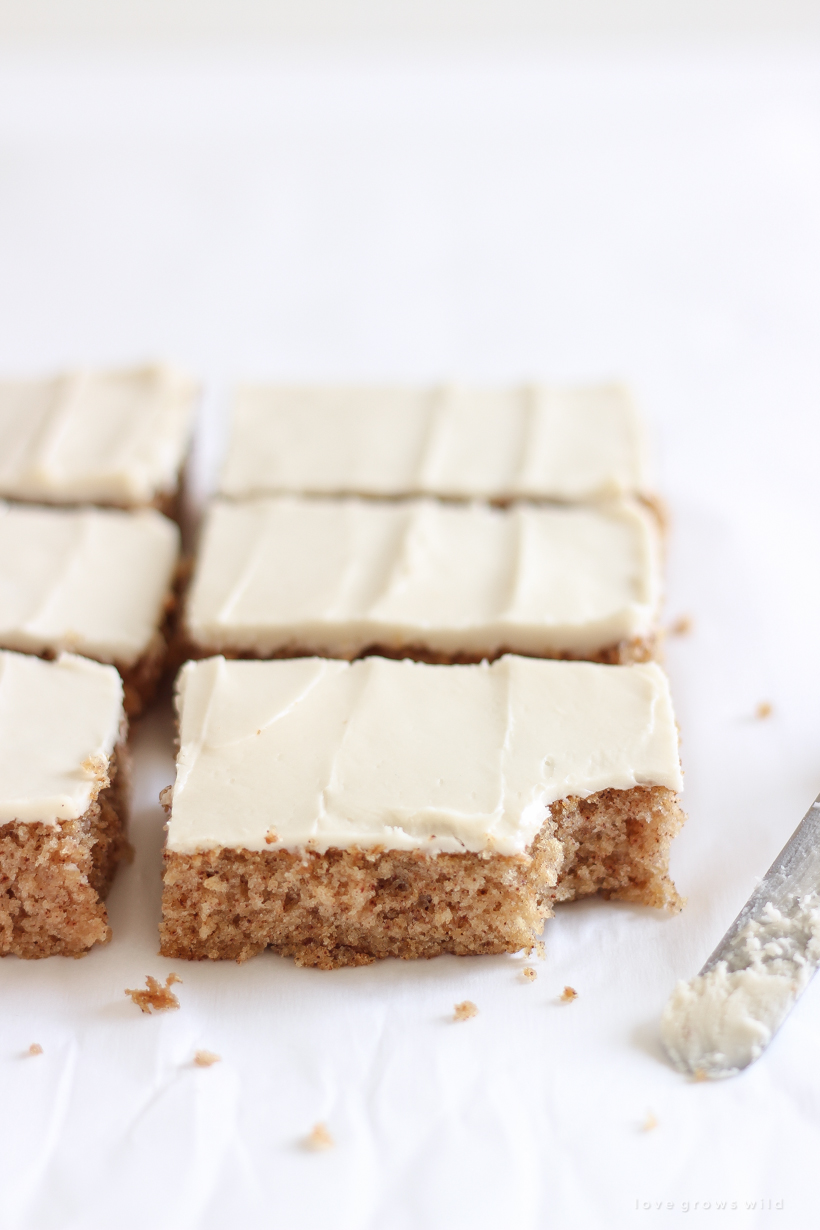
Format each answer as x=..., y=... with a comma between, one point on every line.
x=492, y=213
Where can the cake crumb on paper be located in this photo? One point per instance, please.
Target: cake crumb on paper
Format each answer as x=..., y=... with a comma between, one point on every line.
x=205, y=1059
x=568, y=995
x=155, y=997
x=529, y=973
x=681, y=626
x=271, y=836
x=464, y=1010
x=763, y=710
x=319, y=1138
x=35, y=1049
x=650, y=1122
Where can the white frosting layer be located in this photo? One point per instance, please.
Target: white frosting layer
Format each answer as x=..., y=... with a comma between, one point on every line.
x=115, y=437
x=91, y=580
x=335, y=577
x=529, y=442
x=405, y=755
x=59, y=723
x=721, y=1021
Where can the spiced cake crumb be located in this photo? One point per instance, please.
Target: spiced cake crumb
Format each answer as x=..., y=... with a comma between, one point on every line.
x=763, y=710
x=156, y=997
x=650, y=1122
x=271, y=836
x=319, y=1138
x=35, y=1049
x=205, y=1059
x=465, y=1010
x=568, y=995
x=529, y=973
x=682, y=626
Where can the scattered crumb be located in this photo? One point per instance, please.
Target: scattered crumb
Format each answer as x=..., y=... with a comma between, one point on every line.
x=35, y=1049
x=465, y=1010
x=271, y=835
x=763, y=710
x=568, y=995
x=204, y=1059
x=540, y=950
x=681, y=626
x=650, y=1122
x=259, y=732
x=156, y=996
x=320, y=1138
x=699, y=1076
x=529, y=973
x=166, y=798
x=97, y=767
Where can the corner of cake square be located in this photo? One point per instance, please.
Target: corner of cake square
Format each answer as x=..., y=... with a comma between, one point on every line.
x=63, y=802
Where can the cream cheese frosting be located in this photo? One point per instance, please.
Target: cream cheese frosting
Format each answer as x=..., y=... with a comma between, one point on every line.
x=116, y=437
x=91, y=580
x=323, y=753
x=337, y=576
x=722, y=1020
x=59, y=723
x=528, y=442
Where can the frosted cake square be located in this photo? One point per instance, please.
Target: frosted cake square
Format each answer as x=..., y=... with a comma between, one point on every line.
x=63, y=802
x=338, y=812
x=527, y=442
x=108, y=437
x=289, y=576
x=94, y=581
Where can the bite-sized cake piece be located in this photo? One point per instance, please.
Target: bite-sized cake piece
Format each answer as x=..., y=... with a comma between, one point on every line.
x=290, y=576
x=94, y=581
x=496, y=444
x=338, y=812
x=117, y=437
x=63, y=802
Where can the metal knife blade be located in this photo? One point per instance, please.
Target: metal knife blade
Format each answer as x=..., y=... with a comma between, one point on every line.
x=722, y=1020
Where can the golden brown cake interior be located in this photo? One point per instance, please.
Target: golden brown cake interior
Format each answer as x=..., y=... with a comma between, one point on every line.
x=622, y=653
x=53, y=878
x=350, y=907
